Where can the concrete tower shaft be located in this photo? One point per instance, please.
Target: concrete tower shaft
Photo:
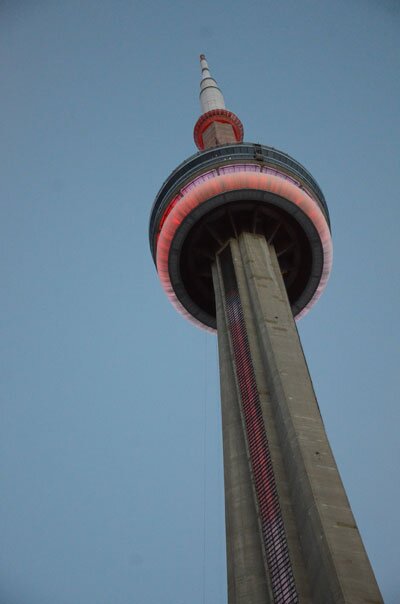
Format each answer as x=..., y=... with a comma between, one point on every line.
x=291, y=535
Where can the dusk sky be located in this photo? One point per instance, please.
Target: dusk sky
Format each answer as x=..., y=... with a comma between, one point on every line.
x=111, y=474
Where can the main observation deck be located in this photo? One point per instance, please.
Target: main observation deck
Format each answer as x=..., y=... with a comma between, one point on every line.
x=218, y=193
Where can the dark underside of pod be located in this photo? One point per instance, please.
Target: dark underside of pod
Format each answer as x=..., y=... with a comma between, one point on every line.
x=213, y=230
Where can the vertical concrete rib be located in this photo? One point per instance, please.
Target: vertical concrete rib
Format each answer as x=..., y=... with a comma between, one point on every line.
x=327, y=556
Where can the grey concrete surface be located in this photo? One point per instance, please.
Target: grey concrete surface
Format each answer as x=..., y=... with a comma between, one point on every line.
x=329, y=561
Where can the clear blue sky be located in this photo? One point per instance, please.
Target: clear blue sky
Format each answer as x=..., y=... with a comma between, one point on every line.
x=111, y=468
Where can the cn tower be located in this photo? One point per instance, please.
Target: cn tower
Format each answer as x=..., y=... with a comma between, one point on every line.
x=240, y=235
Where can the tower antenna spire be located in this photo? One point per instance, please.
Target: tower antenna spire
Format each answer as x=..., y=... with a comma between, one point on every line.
x=216, y=125
x=211, y=96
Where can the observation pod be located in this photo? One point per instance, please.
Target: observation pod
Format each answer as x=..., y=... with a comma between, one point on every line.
x=226, y=190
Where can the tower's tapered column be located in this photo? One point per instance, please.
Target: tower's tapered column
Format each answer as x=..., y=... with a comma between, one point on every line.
x=291, y=535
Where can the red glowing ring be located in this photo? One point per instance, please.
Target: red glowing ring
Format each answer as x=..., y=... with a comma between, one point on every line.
x=234, y=178
x=216, y=115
